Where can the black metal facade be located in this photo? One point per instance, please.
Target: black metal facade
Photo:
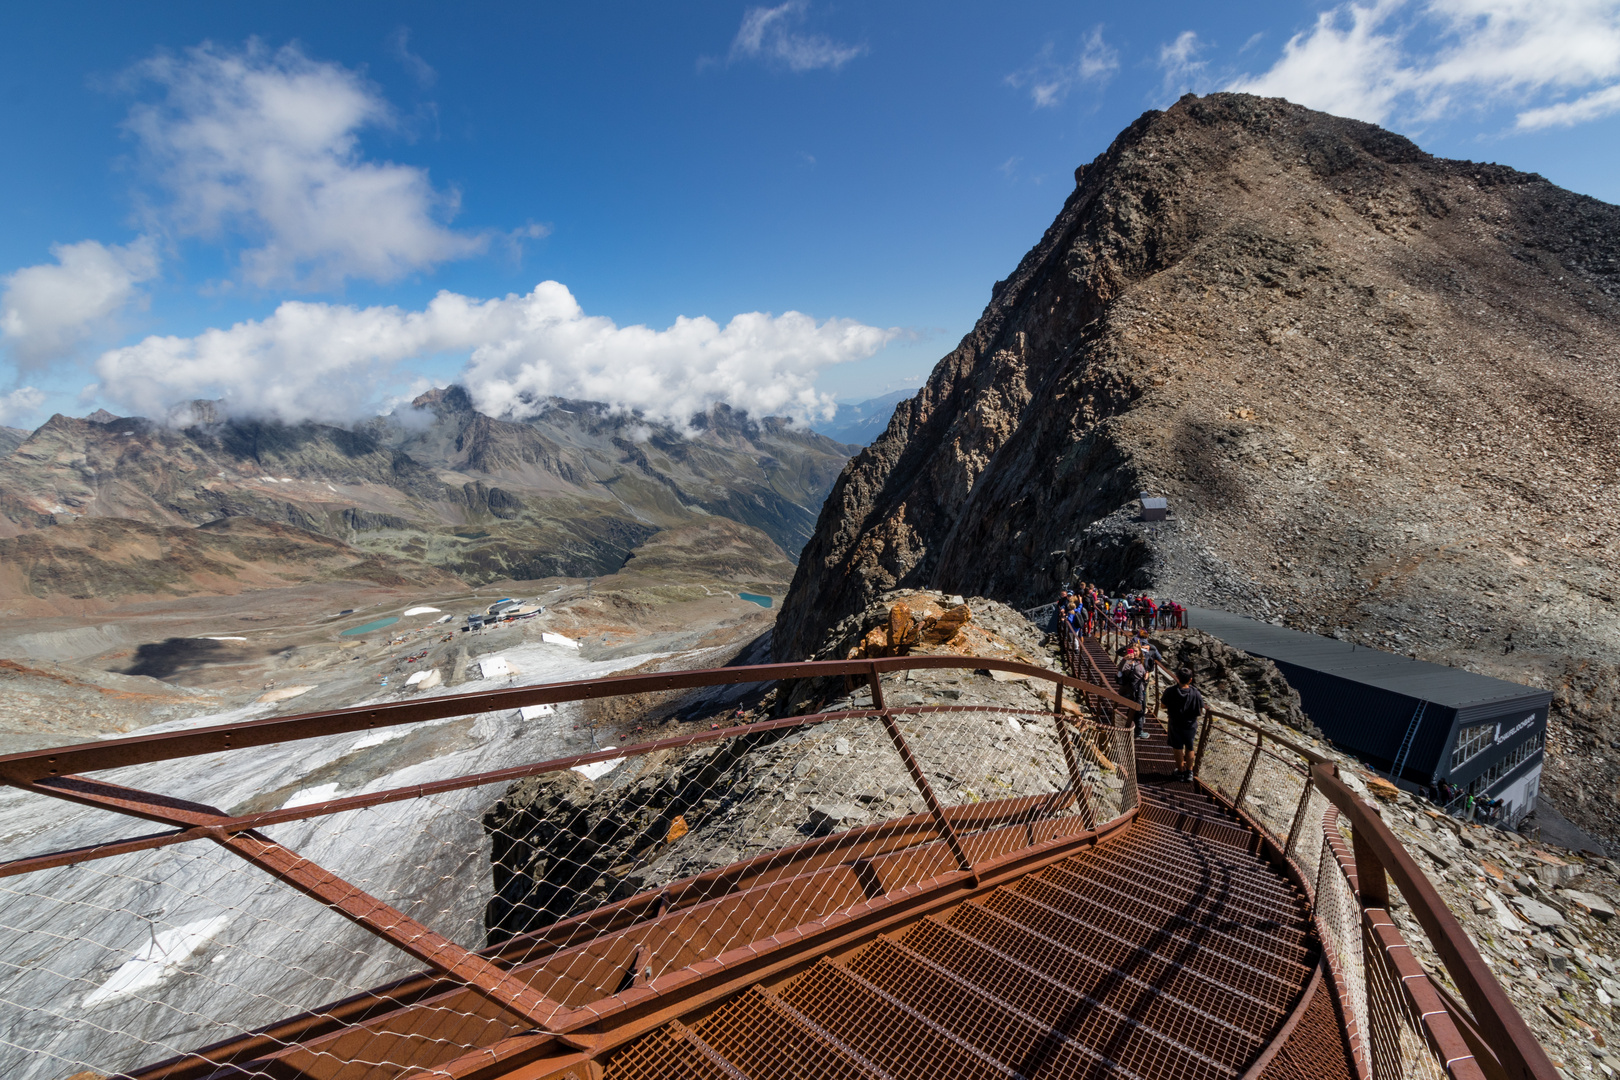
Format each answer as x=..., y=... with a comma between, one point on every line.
x=1369, y=701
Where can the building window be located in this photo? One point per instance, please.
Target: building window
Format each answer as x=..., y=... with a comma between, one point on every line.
x=1471, y=740
x=1501, y=768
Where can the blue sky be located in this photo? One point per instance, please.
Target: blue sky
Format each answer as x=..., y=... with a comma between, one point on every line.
x=775, y=205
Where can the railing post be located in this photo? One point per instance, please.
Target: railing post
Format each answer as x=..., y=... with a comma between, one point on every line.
x=942, y=824
x=1203, y=739
x=1075, y=776
x=1259, y=747
x=1371, y=881
x=1299, y=815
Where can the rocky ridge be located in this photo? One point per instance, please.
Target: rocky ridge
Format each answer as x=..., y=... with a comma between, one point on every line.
x=1379, y=388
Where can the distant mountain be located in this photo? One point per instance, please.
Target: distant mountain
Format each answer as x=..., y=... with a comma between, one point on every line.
x=572, y=491
x=860, y=423
x=10, y=439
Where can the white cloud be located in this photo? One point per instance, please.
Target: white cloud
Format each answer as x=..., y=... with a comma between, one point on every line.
x=335, y=362
x=1180, y=63
x=1593, y=106
x=768, y=34
x=1050, y=80
x=399, y=43
x=1425, y=59
x=48, y=310
x=265, y=145
x=20, y=404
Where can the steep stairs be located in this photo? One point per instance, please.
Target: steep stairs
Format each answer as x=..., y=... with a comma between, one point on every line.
x=1170, y=950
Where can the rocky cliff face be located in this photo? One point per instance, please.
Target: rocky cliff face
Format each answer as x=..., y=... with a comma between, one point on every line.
x=1379, y=389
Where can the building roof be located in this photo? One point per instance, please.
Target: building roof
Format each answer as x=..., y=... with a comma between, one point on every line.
x=1447, y=686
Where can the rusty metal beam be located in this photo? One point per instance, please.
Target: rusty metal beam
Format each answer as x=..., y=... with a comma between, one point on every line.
x=72, y=856
x=438, y=787
x=313, y=880
x=941, y=822
x=394, y=927
x=21, y=769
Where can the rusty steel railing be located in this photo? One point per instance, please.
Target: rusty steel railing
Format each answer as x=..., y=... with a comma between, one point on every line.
x=487, y=918
x=1401, y=1023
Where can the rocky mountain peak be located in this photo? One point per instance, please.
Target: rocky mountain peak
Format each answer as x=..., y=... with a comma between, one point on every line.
x=1379, y=389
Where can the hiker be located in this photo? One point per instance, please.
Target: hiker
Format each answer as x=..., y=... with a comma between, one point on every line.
x=1183, y=705
x=1150, y=652
x=1133, y=684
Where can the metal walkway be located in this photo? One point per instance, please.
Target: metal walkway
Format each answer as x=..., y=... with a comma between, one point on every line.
x=1028, y=893
x=1170, y=950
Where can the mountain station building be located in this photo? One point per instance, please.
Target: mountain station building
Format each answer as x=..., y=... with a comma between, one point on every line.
x=1410, y=719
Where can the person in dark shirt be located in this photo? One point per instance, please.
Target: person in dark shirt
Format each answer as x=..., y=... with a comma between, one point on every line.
x=1183, y=705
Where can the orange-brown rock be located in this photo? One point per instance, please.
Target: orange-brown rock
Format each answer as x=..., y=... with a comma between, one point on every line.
x=876, y=642
x=948, y=625
x=903, y=628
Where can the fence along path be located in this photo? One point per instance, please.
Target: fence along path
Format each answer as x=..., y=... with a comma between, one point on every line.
x=1034, y=903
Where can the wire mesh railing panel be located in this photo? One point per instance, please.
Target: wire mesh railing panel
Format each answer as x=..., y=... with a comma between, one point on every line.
x=1307, y=851
x=1396, y=1043
x=1338, y=913
x=1053, y=769
x=1225, y=759
x=1274, y=793
x=110, y=964
x=369, y=903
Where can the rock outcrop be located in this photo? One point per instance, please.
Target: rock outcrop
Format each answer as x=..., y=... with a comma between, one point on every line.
x=1379, y=389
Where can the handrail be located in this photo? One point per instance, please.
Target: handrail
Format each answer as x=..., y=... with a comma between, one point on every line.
x=1377, y=851
x=1313, y=756
x=22, y=770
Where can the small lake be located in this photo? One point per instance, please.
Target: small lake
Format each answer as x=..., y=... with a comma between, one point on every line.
x=754, y=598
x=366, y=628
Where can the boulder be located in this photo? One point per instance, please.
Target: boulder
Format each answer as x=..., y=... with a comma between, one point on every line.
x=1538, y=913
x=1593, y=905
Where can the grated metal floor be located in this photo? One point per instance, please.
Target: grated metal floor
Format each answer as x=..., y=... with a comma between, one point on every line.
x=1171, y=950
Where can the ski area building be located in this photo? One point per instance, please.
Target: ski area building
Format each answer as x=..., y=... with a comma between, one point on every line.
x=1413, y=719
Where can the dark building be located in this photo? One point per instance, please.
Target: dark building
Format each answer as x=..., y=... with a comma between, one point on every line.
x=1423, y=721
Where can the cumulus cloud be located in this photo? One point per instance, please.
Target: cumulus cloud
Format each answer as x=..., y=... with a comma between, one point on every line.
x=336, y=362
x=1050, y=79
x=1420, y=60
x=770, y=34
x=20, y=404
x=265, y=145
x=46, y=311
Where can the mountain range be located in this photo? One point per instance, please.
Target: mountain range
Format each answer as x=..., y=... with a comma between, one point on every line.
x=107, y=506
x=859, y=422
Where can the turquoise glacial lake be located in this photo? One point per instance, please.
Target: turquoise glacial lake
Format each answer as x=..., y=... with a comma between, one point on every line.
x=366, y=628
x=755, y=598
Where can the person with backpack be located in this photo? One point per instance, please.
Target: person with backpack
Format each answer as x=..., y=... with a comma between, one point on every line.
x=1133, y=684
x=1183, y=705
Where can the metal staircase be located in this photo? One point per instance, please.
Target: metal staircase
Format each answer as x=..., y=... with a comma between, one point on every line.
x=1407, y=740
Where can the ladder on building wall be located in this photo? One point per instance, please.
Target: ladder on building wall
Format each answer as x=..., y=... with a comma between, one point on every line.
x=1406, y=743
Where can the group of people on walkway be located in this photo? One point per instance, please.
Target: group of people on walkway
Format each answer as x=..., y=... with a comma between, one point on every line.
x=1083, y=611
x=1087, y=610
